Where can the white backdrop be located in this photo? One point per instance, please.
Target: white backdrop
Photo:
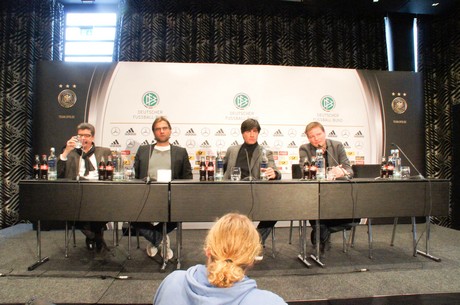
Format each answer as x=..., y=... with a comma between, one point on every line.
x=206, y=104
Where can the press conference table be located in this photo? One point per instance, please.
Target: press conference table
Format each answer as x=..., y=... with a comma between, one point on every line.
x=195, y=201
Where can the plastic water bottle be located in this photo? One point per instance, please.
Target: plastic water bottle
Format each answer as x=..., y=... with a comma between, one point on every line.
x=397, y=165
x=263, y=165
x=52, y=170
x=321, y=165
x=219, y=175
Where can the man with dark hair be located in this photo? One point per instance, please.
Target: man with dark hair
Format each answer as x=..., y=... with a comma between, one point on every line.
x=250, y=154
x=148, y=160
x=83, y=162
x=333, y=152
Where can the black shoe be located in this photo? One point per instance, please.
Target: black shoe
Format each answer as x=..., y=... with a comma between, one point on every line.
x=101, y=245
x=90, y=244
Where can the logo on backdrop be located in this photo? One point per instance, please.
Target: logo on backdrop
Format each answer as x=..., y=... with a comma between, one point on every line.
x=327, y=103
x=115, y=131
x=241, y=101
x=67, y=98
x=399, y=105
x=150, y=100
x=145, y=131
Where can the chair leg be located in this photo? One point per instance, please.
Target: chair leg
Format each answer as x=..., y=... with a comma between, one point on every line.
x=73, y=237
x=66, y=245
x=369, y=236
x=129, y=240
x=352, y=238
x=345, y=241
x=273, y=242
x=395, y=223
x=290, y=231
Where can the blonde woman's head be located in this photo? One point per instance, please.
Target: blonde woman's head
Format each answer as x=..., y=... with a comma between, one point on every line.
x=231, y=247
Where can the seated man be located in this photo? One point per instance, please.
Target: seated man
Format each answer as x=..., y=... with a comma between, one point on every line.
x=238, y=156
x=83, y=162
x=335, y=157
x=148, y=160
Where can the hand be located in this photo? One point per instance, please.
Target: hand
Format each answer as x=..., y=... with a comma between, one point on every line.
x=270, y=172
x=70, y=145
x=338, y=171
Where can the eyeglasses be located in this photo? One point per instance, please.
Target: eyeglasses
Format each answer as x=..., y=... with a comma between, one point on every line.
x=86, y=135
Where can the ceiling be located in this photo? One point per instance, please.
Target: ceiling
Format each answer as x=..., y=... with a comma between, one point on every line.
x=417, y=7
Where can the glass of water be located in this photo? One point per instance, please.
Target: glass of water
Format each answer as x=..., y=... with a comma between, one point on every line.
x=77, y=142
x=235, y=174
x=405, y=172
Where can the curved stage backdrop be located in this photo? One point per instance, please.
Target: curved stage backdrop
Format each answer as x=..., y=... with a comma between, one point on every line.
x=206, y=103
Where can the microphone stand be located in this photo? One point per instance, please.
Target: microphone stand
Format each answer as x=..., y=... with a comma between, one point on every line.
x=427, y=218
x=345, y=173
x=250, y=178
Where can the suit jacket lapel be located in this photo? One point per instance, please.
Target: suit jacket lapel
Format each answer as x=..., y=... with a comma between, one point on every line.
x=173, y=157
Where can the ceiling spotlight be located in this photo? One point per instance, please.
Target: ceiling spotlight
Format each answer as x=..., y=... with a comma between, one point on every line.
x=435, y=4
x=87, y=1
x=375, y=0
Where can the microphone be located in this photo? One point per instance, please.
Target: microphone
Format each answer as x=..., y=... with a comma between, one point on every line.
x=147, y=178
x=345, y=173
x=419, y=176
x=250, y=178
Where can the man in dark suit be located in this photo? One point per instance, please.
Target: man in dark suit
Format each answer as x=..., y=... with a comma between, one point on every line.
x=83, y=162
x=336, y=158
x=238, y=156
x=148, y=160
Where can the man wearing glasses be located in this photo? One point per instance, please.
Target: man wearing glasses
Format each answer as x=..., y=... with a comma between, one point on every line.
x=79, y=160
x=148, y=161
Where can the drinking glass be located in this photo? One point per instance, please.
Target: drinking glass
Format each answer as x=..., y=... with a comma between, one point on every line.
x=330, y=174
x=405, y=172
x=77, y=142
x=235, y=174
x=129, y=173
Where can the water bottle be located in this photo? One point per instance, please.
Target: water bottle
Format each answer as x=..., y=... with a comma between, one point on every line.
x=52, y=170
x=263, y=165
x=397, y=165
x=321, y=165
x=219, y=175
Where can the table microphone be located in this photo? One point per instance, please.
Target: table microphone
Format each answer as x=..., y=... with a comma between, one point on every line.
x=345, y=173
x=419, y=176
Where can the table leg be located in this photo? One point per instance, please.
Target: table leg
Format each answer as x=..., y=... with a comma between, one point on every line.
x=427, y=245
x=40, y=260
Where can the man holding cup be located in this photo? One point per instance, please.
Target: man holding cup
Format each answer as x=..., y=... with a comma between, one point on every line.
x=248, y=157
x=79, y=160
x=338, y=166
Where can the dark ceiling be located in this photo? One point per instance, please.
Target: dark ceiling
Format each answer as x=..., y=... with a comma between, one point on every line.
x=417, y=7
